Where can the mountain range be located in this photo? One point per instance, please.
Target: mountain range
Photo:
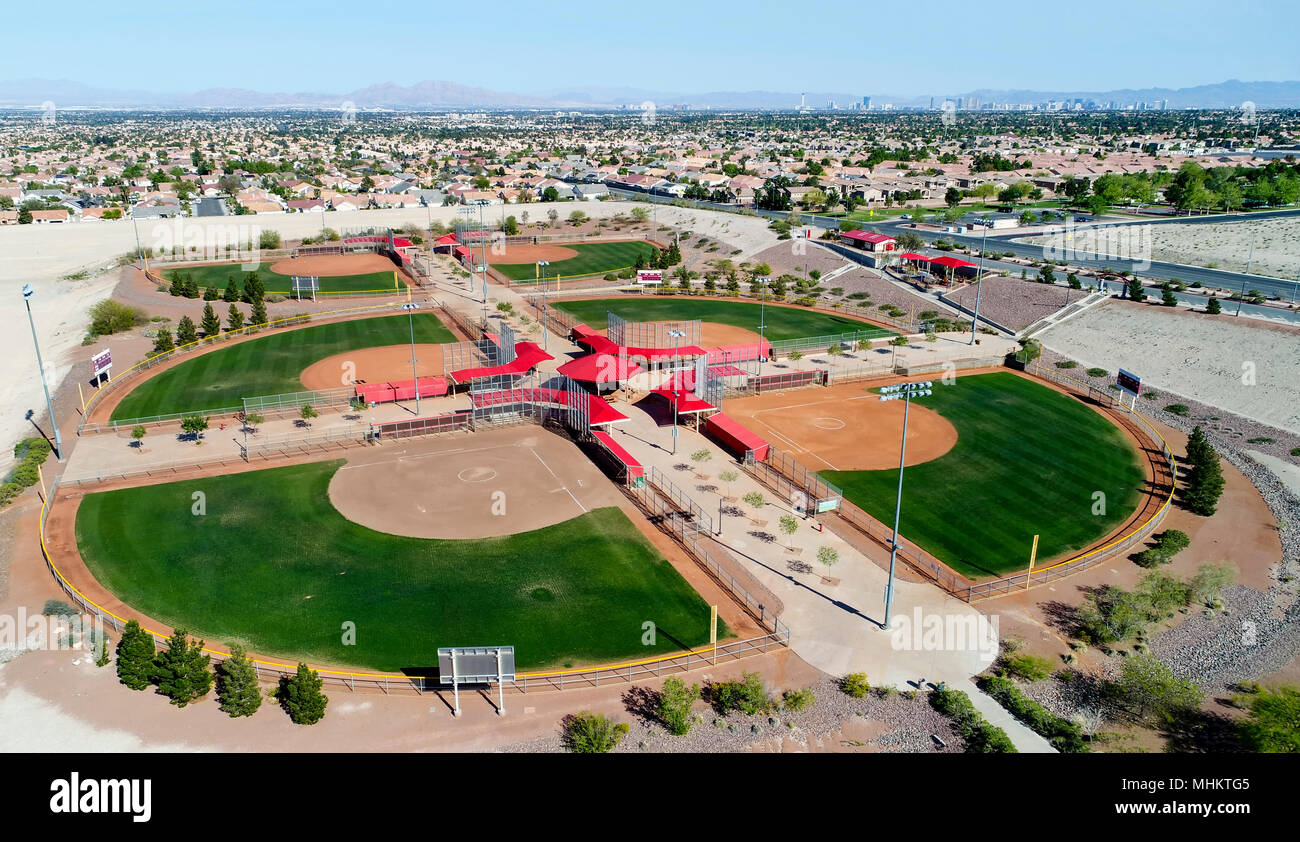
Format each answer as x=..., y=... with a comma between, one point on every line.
x=31, y=93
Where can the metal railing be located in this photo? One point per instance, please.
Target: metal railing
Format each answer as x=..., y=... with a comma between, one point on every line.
x=693, y=517
x=820, y=344
x=450, y=423
x=293, y=443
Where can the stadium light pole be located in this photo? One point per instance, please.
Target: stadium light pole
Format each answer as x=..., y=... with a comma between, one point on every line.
x=762, y=318
x=542, y=264
x=1249, y=260
x=677, y=340
x=28, y=292
x=410, y=313
x=904, y=392
x=979, y=282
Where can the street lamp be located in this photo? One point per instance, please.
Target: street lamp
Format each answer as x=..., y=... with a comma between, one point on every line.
x=979, y=282
x=28, y=292
x=541, y=266
x=677, y=337
x=410, y=313
x=904, y=392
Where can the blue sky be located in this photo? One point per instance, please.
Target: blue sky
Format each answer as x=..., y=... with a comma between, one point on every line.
x=690, y=47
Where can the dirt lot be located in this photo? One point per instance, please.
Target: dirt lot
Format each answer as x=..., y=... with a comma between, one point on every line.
x=844, y=428
x=498, y=482
x=373, y=365
x=333, y=265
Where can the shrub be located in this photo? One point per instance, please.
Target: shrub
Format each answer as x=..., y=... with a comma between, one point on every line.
x=978, y=735
x=748, y=695
x=1178, y=409
x=1097, y=372
x=755, y=499
x=1028, y=667
x=1067, y=364
x=109, y=316
x=58, y=608
x=797, y=700
x=1064, y=735
x=674, y=708
x=1169, y=544
x=1210, y=579
x=592, y=733
x=855, y=684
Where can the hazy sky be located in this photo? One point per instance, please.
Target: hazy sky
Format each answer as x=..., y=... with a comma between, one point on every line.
x=690, y=47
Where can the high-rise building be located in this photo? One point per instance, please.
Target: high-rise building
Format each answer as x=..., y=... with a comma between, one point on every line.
x=866, y=103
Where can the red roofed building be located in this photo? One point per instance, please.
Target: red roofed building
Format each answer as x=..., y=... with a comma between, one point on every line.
x=868, y=241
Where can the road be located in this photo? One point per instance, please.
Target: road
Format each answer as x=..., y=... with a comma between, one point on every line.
x=1286, y=290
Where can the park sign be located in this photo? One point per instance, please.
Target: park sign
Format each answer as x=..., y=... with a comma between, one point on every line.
x=649, y=276
x=101, y=362
x=1129, y=382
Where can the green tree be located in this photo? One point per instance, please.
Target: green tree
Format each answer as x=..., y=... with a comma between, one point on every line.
x=234, y=318
x=1274, y=723
x=163, y=341
x=674, y=707
x=194, y=425
x=511, y=226
x=138, y=432
x=1167, y=297
x=1205, y=485
x=788, y=524
x=301, y=696
x=1150, y=687
x=238, y=691
x=258, y=315
x=231, y=294
x=309, y=412
x=1210, y=579
x=181, y=670
x=1213, y=307
x=1135, y=290
x=1073, y=280
x=186, y=332
x=952, y=197
x=210, y=324
x=135, y=653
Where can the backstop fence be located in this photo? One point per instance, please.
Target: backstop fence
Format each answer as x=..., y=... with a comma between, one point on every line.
x=506, y=344
x=452, y=422
x=652, y=334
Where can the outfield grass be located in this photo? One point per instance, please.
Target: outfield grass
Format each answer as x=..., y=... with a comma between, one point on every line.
x=1028, y=460
x=271, y=365
x=592, y=259
x=219, y=275
x=782, y=322
x=274, y=566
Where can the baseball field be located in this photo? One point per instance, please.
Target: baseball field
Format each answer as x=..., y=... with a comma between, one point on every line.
x=273, y=565
x=336, y=273
x=1027, y=461
x=782, y=322
x=568, y=260
x=268, y=365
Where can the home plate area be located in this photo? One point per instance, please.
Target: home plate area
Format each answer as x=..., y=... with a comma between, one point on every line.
x=496, y=482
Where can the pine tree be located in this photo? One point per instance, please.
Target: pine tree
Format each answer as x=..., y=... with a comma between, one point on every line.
x=1198, y=446
x=232, y=290
x=163, y=342
x=1135, y=290
x=181, y=670
x=234, y=319
x=1205, y=485
x=253, y=288
x=1213, y=307
x=191, y=287
x=1167, y=298
x=210, y=323
x=210, y=293
x=301, y=696
x=258, y=316
x=238, y=692
x=135, y=652
x=186, y=332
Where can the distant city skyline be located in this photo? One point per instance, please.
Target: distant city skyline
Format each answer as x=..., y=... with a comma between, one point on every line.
x=679, y=47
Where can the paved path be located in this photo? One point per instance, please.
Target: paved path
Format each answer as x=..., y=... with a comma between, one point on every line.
x=1025, y=740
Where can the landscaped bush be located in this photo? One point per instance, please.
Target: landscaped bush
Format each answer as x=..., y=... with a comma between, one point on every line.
x=748, y=695
x=1067, y=364
x=978, y=735
x=30, y=453
x=855, y=684
x=109, y=316
x=1178, y=409
x=592, y=733
x=1026, y=666
x=1097, y=372
x=1065, y=736
x=674, y=708
x=798, y=700
x=1169, y=544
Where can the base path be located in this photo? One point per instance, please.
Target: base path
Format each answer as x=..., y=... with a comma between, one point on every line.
x=491, y=483
x=844, y=428
x=333, y=265
x=372, y=365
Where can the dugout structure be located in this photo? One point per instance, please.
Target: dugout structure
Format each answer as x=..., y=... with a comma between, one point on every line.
x=652, y=334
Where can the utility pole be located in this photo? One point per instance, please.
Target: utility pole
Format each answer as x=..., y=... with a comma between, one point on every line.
x=905, y=392
x=28, y=292
x=410, y=312
x=542, y=266
x=673, y=381
x=761, y=284
x=1249, y=260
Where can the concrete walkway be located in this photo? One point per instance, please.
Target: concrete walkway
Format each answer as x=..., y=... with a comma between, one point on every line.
x=1025, y=740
